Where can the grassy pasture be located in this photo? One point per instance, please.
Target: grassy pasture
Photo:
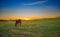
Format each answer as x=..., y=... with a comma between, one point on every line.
x=32, y=28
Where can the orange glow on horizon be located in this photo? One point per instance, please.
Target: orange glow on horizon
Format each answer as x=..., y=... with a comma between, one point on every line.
x=27, y=18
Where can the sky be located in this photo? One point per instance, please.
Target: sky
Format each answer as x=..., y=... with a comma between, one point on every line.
x=29, y=8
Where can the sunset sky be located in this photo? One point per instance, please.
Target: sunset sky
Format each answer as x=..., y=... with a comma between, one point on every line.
x=29, y=8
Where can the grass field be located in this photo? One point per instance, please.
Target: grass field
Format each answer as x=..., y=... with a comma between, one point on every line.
x=32, y=28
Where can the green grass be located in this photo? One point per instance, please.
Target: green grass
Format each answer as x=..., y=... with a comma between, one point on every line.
x=33, y=28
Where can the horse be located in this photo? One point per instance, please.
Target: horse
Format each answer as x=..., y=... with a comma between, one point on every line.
x=17, y=22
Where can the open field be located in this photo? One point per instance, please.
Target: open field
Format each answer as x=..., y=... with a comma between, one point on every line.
x=33, y=28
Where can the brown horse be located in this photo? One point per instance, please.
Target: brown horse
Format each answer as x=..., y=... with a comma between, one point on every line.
x=18, y=22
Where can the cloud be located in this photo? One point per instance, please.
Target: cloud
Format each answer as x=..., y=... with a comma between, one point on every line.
x=38, y=2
